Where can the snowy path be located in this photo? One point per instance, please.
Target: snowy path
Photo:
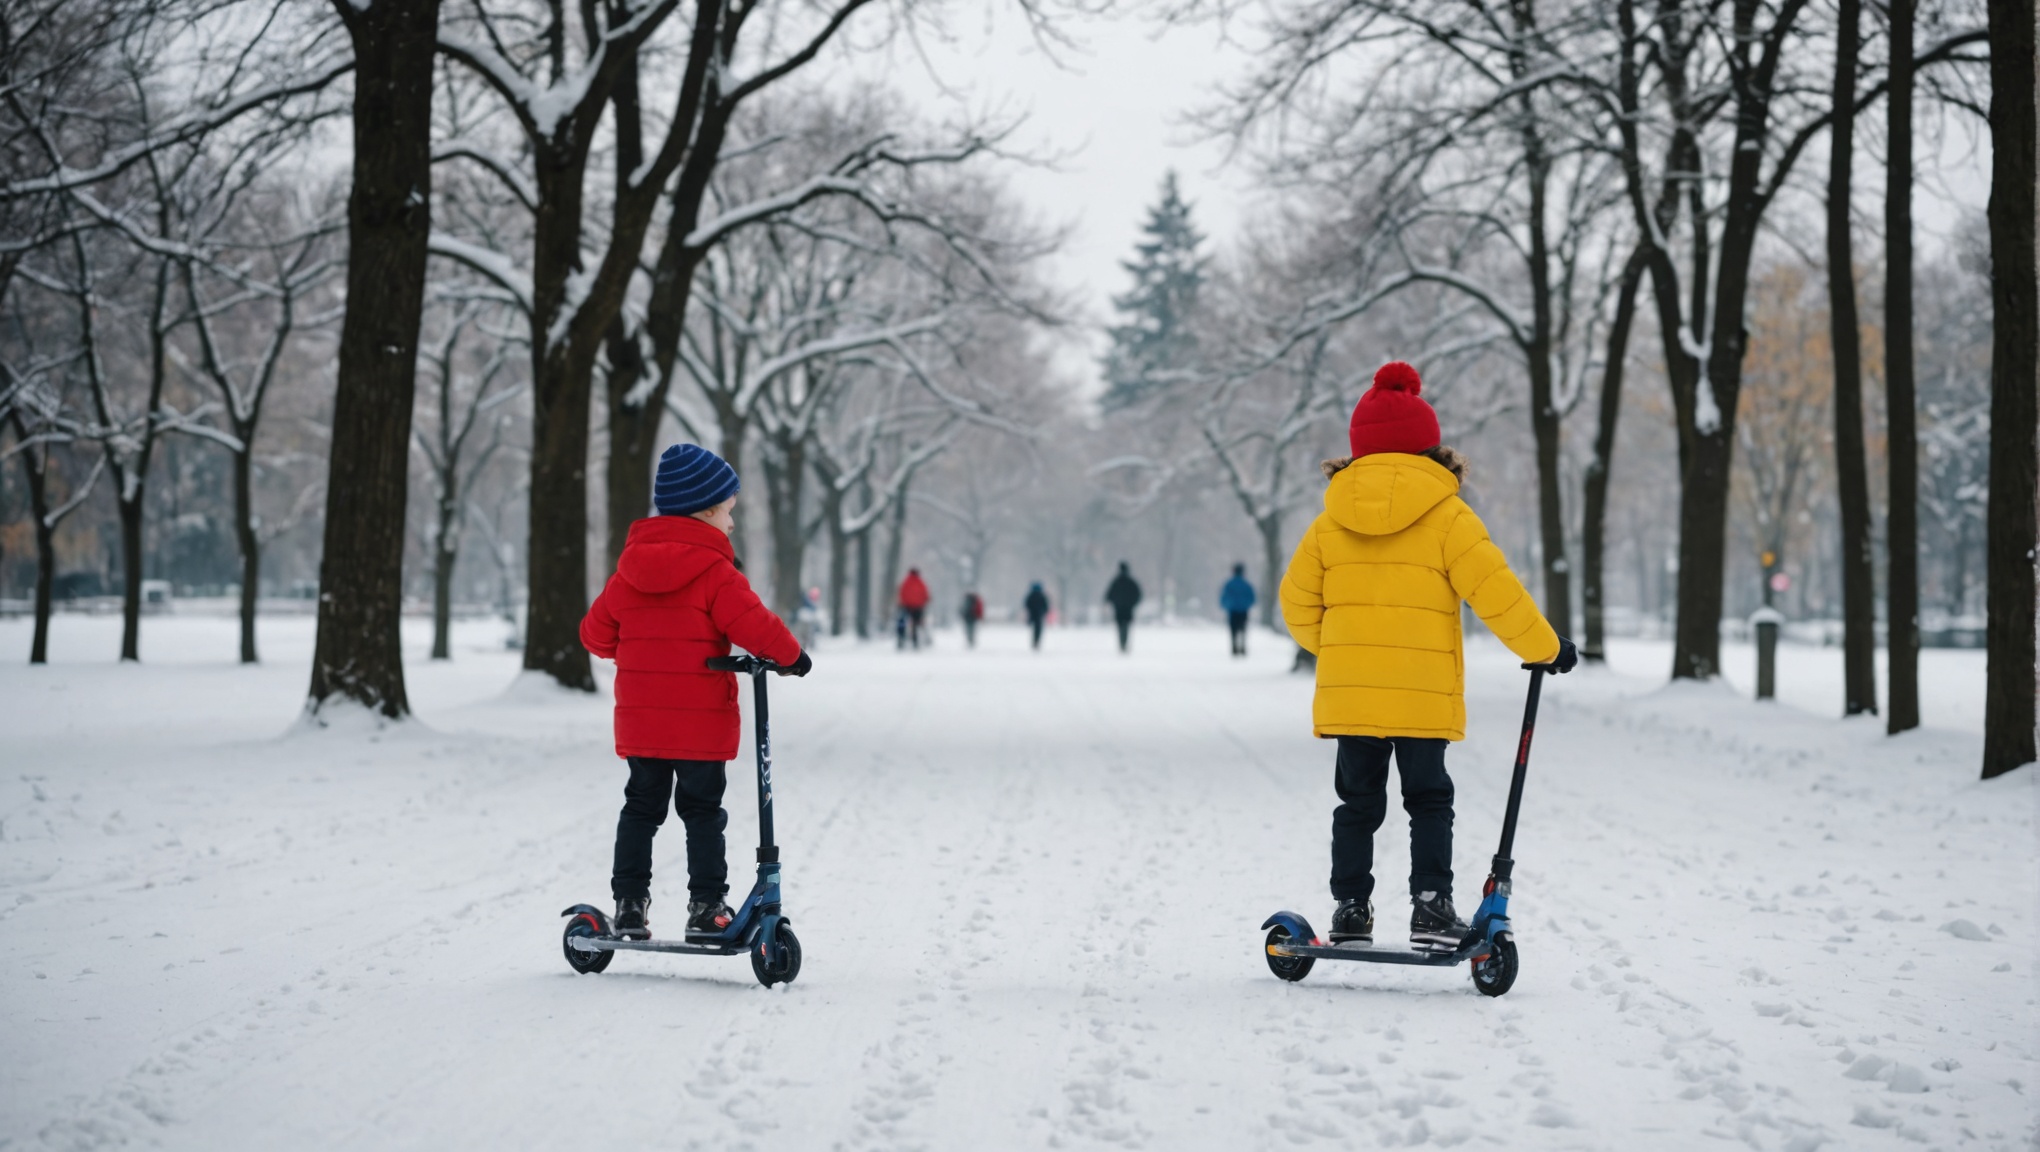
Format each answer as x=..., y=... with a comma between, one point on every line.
x=1028, y=889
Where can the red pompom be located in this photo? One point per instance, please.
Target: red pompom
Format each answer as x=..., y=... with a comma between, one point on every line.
x=1396, y=376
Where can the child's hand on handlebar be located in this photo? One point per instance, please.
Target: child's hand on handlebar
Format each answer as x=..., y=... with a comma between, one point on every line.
x=1568, y=657
x=800, y=667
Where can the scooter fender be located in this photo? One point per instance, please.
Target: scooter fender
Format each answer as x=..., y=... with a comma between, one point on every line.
x=1299, y=929
x=596, y=916
x=768, y=937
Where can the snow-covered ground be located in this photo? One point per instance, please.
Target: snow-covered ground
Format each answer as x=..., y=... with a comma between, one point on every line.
x=1028, y=887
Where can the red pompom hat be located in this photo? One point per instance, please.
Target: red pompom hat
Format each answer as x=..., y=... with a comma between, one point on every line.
x=1392, y=416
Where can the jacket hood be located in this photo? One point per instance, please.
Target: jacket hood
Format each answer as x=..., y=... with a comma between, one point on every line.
x=1384, y=493
x=667, y=553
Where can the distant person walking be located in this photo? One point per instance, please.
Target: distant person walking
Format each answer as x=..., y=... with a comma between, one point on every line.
x=1037, y=611
x=973, y=610
x=1236, y=599
x=913, y=606
x=1124, y=596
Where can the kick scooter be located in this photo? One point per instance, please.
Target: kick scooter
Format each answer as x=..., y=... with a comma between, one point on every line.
x=1489, y=944
x=758, y=927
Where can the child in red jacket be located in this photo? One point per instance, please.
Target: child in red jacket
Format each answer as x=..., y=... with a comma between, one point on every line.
x=676, y=600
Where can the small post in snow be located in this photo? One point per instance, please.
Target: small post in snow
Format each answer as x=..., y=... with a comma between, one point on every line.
x=1765, y=622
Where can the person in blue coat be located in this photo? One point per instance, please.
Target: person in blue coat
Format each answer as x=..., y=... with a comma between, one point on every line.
x=1236, y=599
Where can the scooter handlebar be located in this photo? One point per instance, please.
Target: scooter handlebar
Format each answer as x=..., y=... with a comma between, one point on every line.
x=745, y=664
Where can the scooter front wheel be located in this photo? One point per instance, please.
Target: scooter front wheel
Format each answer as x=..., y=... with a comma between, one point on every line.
x=586, y=926
x=1495, y=973
x=785, y=960
x=1290, y=968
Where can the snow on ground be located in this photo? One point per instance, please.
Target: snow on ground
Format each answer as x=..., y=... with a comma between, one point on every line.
x=1028, y=887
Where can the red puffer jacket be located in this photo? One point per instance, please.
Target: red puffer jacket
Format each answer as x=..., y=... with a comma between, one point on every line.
x=913, y=591
x=676, y=600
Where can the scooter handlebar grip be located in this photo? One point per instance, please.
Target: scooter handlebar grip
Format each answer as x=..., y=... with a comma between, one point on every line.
x=730, y=663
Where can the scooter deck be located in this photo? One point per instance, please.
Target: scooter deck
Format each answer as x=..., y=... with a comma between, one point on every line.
x=1368, y=954
x=690, y=947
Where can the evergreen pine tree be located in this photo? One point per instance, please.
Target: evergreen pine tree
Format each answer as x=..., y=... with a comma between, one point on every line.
x=1156, y=340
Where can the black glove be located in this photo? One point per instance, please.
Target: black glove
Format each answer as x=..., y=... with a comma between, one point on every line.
x=1568, y=657
x=800, y=667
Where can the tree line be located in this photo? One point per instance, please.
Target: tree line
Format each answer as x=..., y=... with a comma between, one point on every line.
x=550, y=233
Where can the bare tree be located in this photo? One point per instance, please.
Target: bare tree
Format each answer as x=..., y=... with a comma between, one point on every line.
x=463, y=403
x=1852, y=476
x=1726, y=106
x=297, y=267
x=33, y=408
x=358, y=655
x=2008, y=710
x=1902, y=533
x=1601, y=466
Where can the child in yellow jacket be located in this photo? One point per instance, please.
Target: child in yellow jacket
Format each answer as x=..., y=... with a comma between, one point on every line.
x=1373, y=591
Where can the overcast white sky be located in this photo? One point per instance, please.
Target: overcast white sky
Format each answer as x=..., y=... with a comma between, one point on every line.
x=1109, y=112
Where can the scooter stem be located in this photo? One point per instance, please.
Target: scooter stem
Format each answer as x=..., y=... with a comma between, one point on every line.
x=768, y=851
x=1502, y=863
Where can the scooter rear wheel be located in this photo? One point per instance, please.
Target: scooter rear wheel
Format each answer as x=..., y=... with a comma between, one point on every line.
x=586, y=926
x=1290, y=968
x=786, y=958
x=1495, y=973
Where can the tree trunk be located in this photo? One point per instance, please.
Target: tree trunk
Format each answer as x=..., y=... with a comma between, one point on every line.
x=864, y=584
x=559, y=525
x=785, y=476
x=45, y=544
x=358, y=654
x=246, y=541
x=1902, y=579
x=1703, y=530
x=1852, y=479
x=1544, y=421
x=131, y=498
x=1594, y=497
x=2008, y=708
x=839, y=561
x=633, y=441
x=1271, y=567
x=45, y=586
x=445, y=553
x=895, y=546
x=130, y=577
x=562, y=378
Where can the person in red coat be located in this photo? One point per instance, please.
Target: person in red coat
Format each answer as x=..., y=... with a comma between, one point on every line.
x=676, y=600
x=913, y=607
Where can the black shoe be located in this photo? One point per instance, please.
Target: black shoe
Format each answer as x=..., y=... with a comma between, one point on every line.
x=708, y=917
x=633, y=918
x=1433, y=923
x=1353, y=923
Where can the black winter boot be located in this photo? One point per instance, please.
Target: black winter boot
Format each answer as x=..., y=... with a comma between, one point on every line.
x=1433, y=923
x=633, y=918
x=1353, y=923
x=708, y=917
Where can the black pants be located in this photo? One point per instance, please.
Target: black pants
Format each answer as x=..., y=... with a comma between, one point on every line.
x=1035, y=623
x=970, y=632
x=695, y=789
x=1363, y=790
x=910, y=626
x=1237, y=621
x=1125, y=629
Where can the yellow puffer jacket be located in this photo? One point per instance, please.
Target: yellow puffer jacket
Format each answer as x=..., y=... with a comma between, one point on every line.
x=1374, y=590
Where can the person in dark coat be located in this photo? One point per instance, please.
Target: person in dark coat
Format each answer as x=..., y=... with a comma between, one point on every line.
x=1037, y=611
x=1124, y=596
x=1236, y=599
x=973, y=610
x=676, y=600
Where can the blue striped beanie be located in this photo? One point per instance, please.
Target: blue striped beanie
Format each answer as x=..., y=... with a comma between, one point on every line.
x=692, y=478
